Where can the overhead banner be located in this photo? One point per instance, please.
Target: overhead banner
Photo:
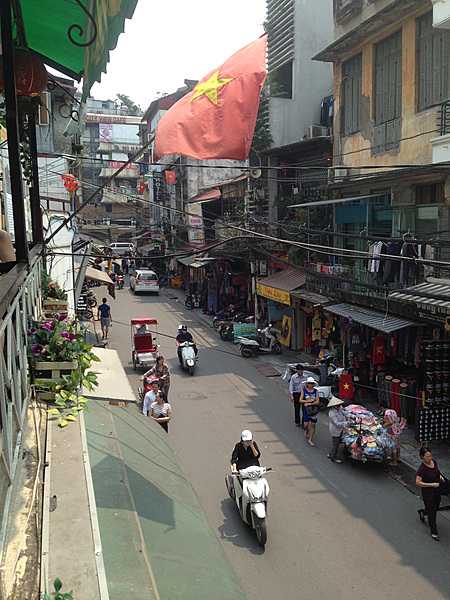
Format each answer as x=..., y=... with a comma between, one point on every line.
x=281, y=296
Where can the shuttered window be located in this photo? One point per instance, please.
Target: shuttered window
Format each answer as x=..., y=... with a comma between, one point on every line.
x=388, y=93
x=433, y=60
x=280, y=26
x=351, y=92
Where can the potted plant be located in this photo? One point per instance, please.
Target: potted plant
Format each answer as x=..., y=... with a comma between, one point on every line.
x=55, y=298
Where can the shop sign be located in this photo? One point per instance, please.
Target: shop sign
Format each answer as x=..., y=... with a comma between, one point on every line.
x=275, y=294
x=247, y=330
x=286, y=331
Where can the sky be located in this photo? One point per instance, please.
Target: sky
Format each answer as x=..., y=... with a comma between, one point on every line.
x=168, y=41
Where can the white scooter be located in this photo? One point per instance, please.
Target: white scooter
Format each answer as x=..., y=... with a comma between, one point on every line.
x=250, y=490
x=188, y=358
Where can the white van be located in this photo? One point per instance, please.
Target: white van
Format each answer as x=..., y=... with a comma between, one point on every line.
x=121, y=248
x=144, y=280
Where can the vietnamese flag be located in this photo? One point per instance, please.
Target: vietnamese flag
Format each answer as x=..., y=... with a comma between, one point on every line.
x=217, y=118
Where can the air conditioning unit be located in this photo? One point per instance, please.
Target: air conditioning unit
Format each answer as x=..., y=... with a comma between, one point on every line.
x=335, y=175
x=441, y=14
x=314, y=131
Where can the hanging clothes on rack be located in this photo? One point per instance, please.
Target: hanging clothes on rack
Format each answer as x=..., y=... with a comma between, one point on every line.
x=391, y=271
x=408, y=267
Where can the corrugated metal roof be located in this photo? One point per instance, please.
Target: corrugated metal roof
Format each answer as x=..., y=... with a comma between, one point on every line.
x=212, y=194
x=286, y=280
x=312, y=297
x=371, y=318
x=433, y=294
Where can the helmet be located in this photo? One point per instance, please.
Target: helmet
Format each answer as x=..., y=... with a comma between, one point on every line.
x=182, y=327
x=246, y=436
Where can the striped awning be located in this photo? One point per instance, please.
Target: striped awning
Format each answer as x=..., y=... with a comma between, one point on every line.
x=370, y=318
x=434, y=296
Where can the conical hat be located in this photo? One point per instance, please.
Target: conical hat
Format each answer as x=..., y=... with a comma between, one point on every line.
x=334, y=402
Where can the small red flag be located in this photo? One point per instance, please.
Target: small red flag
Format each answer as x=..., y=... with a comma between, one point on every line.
x=346, y=387
x=217, y=119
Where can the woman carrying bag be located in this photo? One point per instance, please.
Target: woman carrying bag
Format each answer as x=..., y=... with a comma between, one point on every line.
x=433, y=485
x=309, y=399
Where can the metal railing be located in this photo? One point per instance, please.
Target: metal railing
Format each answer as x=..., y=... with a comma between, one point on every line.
x=444, y=118
x=14, y=378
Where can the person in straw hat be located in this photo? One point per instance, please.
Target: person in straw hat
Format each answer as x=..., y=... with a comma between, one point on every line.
x=336, y=418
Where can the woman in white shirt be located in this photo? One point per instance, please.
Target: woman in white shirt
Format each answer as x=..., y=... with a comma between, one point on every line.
x=161, y=411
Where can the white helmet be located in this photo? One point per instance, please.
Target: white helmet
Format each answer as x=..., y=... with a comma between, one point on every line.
x=246, y=436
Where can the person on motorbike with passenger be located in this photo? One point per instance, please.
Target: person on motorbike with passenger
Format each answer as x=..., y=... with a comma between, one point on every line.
x=246, y=453
x=184, y=336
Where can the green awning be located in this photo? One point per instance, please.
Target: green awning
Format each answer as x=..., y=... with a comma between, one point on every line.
x=51, y=27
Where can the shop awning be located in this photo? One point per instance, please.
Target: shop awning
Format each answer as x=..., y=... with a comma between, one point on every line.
x=278, y=287
x=434, y=296
x=370, y=318
x=99, y=276
x=195, y=262
x=60, y=31
x=213, y=194
x=311, y=297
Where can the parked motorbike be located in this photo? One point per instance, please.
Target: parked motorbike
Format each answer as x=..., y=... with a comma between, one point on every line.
x=120, y=281
x=226, y=328
x=188, y=358
x=250, y=490
x=266, y=342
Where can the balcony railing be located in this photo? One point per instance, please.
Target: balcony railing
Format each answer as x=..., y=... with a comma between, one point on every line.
x=24, y=306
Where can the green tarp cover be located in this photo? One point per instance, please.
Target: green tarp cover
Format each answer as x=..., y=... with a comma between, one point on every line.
x=49, y=25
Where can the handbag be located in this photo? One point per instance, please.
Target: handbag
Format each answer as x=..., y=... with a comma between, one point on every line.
x=312, y=410
x=444, y=487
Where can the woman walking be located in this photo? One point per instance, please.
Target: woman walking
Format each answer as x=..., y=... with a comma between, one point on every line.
x=394, y=427
x=161, y=371
x=309, y=399
x=161, y=411
x=429, y=478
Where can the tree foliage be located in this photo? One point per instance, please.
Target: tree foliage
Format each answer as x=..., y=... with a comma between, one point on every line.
x=133, y=108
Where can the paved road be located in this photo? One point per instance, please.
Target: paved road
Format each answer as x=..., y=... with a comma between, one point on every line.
x=340, y=531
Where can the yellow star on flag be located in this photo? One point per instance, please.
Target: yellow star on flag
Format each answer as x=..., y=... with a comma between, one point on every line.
x=210, y=88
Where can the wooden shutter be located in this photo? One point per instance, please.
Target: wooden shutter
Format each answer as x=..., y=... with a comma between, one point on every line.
x=433, y=60
x=351, y=92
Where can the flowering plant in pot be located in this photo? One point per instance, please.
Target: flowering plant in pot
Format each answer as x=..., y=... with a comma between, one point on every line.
x=59, y=349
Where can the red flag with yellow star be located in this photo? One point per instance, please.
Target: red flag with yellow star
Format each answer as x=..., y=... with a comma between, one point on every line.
x=217, y=119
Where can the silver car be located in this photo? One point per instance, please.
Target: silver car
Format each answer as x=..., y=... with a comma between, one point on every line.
x=144, y=280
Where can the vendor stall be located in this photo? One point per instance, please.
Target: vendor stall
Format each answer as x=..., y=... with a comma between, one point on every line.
x=364, y=436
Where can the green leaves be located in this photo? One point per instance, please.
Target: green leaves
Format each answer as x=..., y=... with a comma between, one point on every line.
x=57, y=594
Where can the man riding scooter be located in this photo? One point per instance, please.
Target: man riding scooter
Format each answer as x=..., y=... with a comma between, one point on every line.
x=184, y=336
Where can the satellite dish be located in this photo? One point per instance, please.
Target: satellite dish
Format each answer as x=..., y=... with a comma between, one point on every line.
x=255, y=173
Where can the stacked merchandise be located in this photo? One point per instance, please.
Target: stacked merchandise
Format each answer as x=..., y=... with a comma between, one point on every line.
x=433, y=419
x=364, y=436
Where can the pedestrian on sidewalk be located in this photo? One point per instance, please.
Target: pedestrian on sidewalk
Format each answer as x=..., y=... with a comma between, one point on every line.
x=161, y=411
x=150, y=397
x=394, y=427
x=309, y=398
x=295, y=389
x=336, y=426
x=104, y=314
x=429, y=479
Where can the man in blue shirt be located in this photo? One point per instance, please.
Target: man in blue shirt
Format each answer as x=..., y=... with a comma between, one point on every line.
x=295, y=389
x=104, y=314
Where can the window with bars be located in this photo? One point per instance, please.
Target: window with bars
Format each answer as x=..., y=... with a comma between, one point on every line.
x=351, y=95
x=388, y=93
x=433, y=62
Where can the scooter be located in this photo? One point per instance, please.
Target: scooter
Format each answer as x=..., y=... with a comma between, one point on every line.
x=250, y=490
x=262, y=345
x=226, y=328
x=120, y=280
x=188, y=358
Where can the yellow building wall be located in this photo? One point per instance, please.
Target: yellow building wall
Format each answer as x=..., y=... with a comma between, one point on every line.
x=418, y=128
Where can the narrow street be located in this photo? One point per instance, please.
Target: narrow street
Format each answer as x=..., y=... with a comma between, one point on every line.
x=350, y=529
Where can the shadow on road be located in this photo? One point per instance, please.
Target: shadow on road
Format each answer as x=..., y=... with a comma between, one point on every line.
x=234, y=530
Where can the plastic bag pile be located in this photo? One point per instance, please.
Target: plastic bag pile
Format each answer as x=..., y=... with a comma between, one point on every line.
x=364, y=436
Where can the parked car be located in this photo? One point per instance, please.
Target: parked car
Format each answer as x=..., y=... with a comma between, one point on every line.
x=122, y=248
x=143, y=280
